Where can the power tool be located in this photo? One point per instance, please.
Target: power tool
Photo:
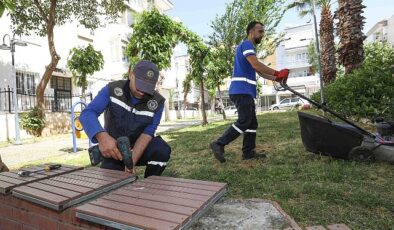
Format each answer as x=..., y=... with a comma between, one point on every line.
x=47, y=168
x=123, y=144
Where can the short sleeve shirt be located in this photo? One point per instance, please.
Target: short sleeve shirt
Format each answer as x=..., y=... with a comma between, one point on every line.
x=243, y=80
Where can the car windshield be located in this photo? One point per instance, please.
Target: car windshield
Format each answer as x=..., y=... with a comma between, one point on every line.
x=285, y=101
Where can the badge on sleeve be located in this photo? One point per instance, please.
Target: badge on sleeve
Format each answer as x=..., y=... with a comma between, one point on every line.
x=152, y=105
x=118, y=91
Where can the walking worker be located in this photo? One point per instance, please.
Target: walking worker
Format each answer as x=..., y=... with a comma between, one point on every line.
x=131, y=108
x=242, y=93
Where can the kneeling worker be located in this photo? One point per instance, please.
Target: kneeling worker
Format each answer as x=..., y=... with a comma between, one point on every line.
x=132, y=108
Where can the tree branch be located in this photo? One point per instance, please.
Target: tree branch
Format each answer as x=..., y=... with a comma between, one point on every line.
x=44, y=17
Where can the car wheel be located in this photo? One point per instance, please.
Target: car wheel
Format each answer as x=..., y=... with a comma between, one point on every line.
x=361, y=154
x=275, y=108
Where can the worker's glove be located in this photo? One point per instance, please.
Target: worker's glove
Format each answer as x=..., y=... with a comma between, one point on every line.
x=281, y=75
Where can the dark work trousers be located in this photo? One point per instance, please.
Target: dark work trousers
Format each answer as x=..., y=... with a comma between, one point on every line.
x=246, y=123
x=155, y=157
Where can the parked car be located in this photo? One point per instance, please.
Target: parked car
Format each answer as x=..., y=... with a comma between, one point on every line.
x=289, y=103
x=231, y=110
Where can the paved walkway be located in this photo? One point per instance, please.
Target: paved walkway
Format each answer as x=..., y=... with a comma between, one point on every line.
x=15, y=155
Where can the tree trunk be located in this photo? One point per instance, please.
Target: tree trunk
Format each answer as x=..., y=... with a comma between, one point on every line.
x=54, y=60
x=327, y=45
x=350, y=30
x=204, y=114
x=166, y=105
x=221, y=103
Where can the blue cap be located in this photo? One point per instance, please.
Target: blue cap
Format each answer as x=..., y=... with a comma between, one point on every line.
x=146, y=75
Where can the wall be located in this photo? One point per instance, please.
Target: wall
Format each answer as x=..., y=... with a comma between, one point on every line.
x=56, y=123
x=19, y=214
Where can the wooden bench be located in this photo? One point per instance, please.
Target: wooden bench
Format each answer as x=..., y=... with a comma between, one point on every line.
x=10, y=180
x=95, y=198
x=66, y=190
x=153, y=203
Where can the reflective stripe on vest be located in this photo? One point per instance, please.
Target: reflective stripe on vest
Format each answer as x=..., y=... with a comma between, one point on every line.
x=128, y=108
x=243, y=79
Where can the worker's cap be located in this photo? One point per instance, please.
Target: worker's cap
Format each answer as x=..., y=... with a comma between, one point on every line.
x=146, y=75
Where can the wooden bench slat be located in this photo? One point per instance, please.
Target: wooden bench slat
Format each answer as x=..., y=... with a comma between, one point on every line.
x=55, y=190
x=99, y=174
x=40, y=194
x=76, y=182
x=11, y=180
x=5, y=187
x=151, y=204
x=182, y=184
x=210, y=183
x=175, y=188
x=96, y=176
x=154, y=197
x=72, y=187
x=141, y=211
x=125, y=218
x=109, y=171
x=86, y=179
x=168, y=193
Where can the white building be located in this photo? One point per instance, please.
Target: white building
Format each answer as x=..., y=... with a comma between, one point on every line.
x=173, y=82
x=382, y=31
x=292, y=54
x=30, y=61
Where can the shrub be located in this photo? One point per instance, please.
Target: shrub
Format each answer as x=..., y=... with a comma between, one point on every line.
x=33, y=122
x=368, y=91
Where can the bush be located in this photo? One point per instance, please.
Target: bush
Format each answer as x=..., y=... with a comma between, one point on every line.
x=33, y=122
x=368, y=91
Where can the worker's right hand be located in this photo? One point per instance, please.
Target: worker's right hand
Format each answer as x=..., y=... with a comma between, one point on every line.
x=281, y=75
x=108, y=146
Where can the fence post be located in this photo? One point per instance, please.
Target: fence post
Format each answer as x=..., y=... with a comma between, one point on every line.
x=9, y=98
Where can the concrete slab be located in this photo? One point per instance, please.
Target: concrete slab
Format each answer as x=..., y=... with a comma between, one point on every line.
x=246, y=214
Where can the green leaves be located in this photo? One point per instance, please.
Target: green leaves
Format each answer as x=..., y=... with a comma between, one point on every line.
x=154, y=37
x=33, y=122
x=34, y=16
x=368, y=91
x=6, y=4
x=84, y=62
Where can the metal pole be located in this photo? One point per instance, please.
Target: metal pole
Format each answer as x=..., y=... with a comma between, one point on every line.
x=318, y=52
x=17, y=134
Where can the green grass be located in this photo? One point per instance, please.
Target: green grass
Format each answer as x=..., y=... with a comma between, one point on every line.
x=313, y=189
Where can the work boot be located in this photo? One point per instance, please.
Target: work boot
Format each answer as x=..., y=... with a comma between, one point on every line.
x=218, y=151
x=253, y=155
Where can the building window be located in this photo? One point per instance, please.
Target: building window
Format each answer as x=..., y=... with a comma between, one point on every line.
x=25, y=82
x=124, y=47
x=62, y=83
x=115, y=50
x=19, y=82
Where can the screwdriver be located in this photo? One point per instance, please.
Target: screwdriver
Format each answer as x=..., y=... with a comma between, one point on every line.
x=47, y=168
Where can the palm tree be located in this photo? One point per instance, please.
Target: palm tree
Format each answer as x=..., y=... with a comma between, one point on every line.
x=327, y=44
x=349, y=28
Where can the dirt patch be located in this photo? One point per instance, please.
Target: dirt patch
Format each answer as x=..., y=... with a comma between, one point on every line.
x=245, y=214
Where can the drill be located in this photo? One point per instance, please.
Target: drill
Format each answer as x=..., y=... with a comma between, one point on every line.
x=124, y=148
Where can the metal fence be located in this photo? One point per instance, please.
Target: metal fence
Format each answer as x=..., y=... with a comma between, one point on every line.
x=53, y=103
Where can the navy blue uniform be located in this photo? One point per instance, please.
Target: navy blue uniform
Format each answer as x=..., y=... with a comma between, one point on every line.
x=126, y=115
x=242, y=93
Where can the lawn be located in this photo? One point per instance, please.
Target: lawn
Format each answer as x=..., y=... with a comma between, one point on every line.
x=313, y=189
